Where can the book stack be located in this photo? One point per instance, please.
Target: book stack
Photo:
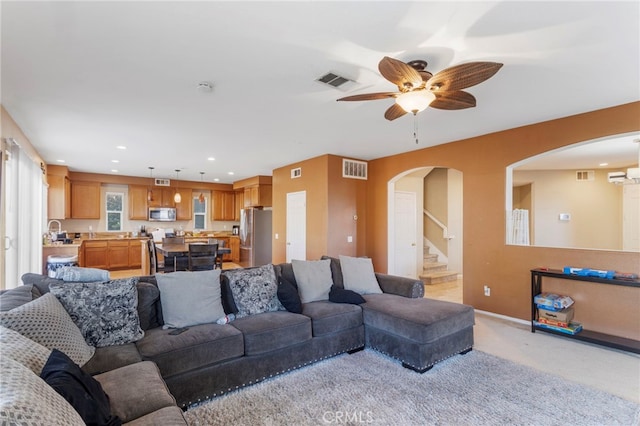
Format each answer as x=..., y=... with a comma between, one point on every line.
x=555, y=312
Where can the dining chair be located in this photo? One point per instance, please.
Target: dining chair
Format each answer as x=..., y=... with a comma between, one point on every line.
x=202, y=257
x=173, y=240
x=155, y=264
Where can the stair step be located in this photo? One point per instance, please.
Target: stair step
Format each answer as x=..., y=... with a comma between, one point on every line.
x=430, y=258
x=429, y=267
x=438, y=277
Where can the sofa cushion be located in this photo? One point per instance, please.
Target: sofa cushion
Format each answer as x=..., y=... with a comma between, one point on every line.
x=135, y=391
x=341, y=295
x=18, y=296
x=105, y=312
x=167, y=416
x=45, y=321
x=328, y=317
x=81, y=390
x=313, y=278
x=109, y=358
x=358, y=275
x=228, y=303
x=190, y=298
x=254, y=290
x=288, y=296
x=19, y=348
x=81, y=275
x=38, y=280
x=199, y=346
x=420, y=320
x=336, y=271
x=273, y=330
x=148, y=303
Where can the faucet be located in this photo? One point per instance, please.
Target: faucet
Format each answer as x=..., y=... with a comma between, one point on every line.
x=59, y=225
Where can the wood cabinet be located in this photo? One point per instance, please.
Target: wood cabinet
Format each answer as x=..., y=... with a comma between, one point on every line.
x=138, y=209
x=59, y=197
x=257, y=196
x=239, y=205
x=234, y=245
x=162, y=197
x=94, y=254
x=118, y=254
x=185, y=207
x=223, y=205
x=85, y=200
x=135, y=254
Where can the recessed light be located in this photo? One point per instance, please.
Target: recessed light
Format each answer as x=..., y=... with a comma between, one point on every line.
x=114, y=171
x=121, y=147
x=60, y=161
x=115, y=161
x=603, y=164
x=211, y=159
x=216, y=180
x=230, y=173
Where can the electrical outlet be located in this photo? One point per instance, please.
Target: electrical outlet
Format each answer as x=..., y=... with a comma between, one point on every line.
x=487, y=290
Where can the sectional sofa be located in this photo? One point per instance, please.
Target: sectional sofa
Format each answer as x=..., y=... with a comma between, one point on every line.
x=287, y=316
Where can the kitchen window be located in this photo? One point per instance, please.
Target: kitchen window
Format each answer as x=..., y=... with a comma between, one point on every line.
x=114, y=210
x=199, y=214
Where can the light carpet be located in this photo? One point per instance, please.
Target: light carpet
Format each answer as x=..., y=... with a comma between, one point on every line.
x=370, y=388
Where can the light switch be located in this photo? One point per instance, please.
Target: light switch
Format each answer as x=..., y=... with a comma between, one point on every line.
x=276, y=236
x=349, y=239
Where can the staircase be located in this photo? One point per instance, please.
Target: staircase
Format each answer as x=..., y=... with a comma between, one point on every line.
x=434, y=272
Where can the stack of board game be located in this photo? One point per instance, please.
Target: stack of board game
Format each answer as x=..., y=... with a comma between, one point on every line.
x=555, y=312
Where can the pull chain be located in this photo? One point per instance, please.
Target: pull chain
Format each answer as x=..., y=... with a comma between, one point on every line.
x=415, y=127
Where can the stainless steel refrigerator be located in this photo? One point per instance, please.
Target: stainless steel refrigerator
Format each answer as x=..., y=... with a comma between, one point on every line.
x=255, y=237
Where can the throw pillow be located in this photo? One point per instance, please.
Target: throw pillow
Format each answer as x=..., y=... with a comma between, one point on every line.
x=255, y=290
x=45, y=321
x=81, y=275
x=105, y=312
x=340, y=295
x=148, y=296
x=83, y=392
x=26, y=399
x=288, y=296
x=18, y=296
x=38, y=280
x=336, y=271
x=19, y=348
x=358, y=275
x=313, y=278
x=190, y=298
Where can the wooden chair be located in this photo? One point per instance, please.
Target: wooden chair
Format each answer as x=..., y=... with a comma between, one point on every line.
x=202, y=257
x=155, y=264
x=173, y=240
x=220, y=243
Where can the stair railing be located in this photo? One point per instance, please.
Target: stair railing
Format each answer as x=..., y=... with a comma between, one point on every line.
x=445, y=230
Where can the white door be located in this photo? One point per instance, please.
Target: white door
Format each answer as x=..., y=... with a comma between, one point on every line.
x=631, y=218
x=296, y=226
x=405, y=234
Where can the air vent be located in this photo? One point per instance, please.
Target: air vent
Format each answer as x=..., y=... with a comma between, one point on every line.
x=162, y=182
x=354, y=169
x=296, y=173
x=585, y=175
x=337, y=82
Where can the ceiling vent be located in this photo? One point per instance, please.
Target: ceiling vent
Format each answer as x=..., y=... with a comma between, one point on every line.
x=162, y=182
x=337, y=82
x=354, y=169
x=585, y=175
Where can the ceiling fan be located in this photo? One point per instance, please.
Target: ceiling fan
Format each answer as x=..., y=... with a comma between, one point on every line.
x=418, y=88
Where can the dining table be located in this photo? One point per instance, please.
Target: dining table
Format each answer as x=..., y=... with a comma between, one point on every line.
x=179, y=250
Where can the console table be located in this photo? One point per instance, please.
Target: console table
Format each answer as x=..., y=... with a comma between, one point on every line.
x=584, y=335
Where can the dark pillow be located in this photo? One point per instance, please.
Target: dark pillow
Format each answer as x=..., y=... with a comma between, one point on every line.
x=18, y=296
x=286, y=270
x=83, y=392
x=288, y=296
x=228, y=303
x=151, y=279
x=148, y=297
x=336, y=271
x=40, y=281
x=341, y=295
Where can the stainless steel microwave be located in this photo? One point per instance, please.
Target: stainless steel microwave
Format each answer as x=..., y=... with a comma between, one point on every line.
x=162, y=214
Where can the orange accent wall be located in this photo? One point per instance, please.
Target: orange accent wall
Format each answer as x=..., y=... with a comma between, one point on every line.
x=487, y=260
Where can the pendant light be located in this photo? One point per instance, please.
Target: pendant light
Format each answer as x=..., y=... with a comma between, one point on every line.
x=201, y=197
x=177, y=197
x=149, y=190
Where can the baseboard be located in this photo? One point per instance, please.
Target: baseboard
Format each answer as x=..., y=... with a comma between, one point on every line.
x=503, y=317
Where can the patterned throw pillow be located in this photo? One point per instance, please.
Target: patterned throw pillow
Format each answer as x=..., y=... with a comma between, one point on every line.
x=45, y=321
x=25, y=399
x=81, y=275
x=105, y=312
x=19, y=348
x=255, y=290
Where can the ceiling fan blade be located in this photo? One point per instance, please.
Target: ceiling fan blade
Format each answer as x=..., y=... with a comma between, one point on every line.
x=456, y=99
x=400, y=74
x=369, y=96
x=463, y=75
x=394, y=112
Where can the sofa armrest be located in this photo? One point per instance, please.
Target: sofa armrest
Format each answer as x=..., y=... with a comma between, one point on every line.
x=401, y=286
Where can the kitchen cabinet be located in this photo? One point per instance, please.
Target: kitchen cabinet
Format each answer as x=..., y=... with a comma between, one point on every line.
x=234, y=245
x=59, y=197
x=239, y=204
x=85, y=200
x=138, y=209
x=162, y=197
x=135, y=254
x=118, y=254
x=223, y=205
x=184, y=207
x=257, y=196
x=94, y=254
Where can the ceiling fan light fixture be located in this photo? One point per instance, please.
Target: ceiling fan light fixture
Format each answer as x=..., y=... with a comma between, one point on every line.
x=415, y=101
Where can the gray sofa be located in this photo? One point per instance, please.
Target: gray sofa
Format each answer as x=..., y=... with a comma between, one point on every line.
x=209, y=360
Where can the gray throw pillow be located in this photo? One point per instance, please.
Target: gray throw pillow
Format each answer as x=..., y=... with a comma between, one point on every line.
x=358, y=275
x=45, y=321
x=313, y=278
x=81, y=275
x=255, y=290
x=190, y=298
x=19, y=348
x=105, y=312
x=18, y=296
